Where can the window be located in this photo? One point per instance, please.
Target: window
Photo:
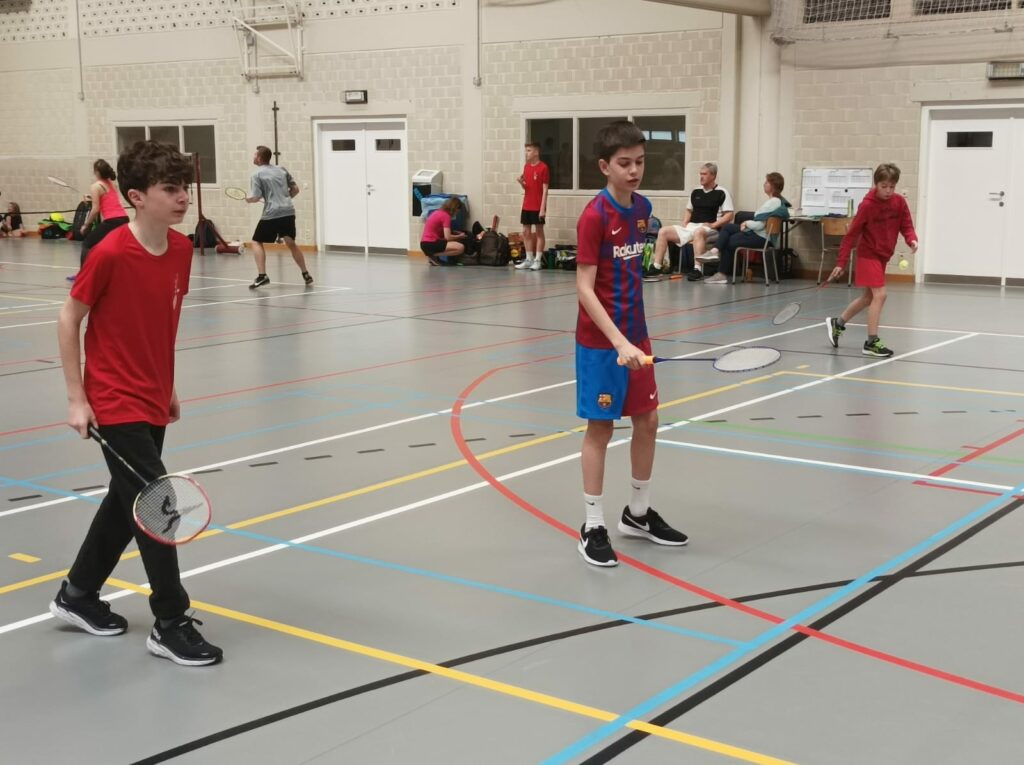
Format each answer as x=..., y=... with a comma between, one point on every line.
x=189, y=138
x=969, y=140
x=567, y=146
x=932, y=7
x=817, y=11
x=389, y=144
x=343, y=144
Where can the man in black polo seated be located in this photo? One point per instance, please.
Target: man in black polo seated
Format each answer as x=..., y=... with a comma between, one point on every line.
x=709, y=208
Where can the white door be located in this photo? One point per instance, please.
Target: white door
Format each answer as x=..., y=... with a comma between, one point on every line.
x=974, y=194
x=364, y=198
x=342, y=208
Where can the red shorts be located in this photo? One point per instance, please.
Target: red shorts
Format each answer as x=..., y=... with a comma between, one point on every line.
x=869, y=271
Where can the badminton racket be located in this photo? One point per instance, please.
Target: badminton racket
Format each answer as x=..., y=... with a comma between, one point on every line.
x=236, y=193
x=739, y=360
x=790, y=310
x=173, y=509
x=61, y=182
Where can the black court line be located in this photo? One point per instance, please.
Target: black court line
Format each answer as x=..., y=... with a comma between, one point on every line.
x=89, y=488
x=320, y=457
x=858, y=414
x=262, y=464
x=368, y=451
x=471, y=440
x=27, y=496
x=731, y=678
x=385, y=682
x=417, y=446
x=521, y=435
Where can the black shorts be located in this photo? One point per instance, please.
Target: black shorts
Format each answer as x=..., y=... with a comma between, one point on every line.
x=267, y=231
x=433, y=248
x=531, y=218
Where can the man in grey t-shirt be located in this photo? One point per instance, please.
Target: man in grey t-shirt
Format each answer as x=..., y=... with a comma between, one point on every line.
x=275, y=187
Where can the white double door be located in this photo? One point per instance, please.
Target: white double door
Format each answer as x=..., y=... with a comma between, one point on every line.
x=363, y=173
x=975, y=197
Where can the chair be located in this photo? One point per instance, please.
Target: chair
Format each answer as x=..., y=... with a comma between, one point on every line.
x=772, y=227
x=835, y=228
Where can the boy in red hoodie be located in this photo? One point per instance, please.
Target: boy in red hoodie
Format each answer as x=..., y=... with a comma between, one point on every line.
x=882, y=216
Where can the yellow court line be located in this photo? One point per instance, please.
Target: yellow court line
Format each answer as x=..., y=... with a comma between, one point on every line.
x=915, y=385
x=470, y=679
x=5, y=589
x=24, y=558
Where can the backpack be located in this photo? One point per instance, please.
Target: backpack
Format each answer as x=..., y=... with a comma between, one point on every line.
x=205, y=233
x=494, y=249
x=81, y=213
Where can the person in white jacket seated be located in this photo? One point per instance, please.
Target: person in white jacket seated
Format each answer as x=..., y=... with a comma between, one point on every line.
x=750, y=233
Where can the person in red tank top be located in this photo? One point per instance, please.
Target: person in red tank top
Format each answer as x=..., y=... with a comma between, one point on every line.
x=106, y=204
x=131, y=288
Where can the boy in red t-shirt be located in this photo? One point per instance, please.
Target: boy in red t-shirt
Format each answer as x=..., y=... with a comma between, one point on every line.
x=882, y=216
x=535, y=180
x=614, y=377
x=131, y=287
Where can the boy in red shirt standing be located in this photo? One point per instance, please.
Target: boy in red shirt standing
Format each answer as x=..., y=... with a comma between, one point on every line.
x=882, y=216
x=612, y=377
x=535, y=181
x=131, y=287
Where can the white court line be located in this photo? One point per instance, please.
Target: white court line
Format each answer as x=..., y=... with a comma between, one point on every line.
x=29, y=307
x=370, y=429
x=249, y=299
x=36, y=265
x=506, y=477
x=248, y=281
x=839, y=465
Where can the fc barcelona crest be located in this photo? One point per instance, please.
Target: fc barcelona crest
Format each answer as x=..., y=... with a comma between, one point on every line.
x=604, y=400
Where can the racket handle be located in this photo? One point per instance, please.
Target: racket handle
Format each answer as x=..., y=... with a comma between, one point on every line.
x=648, y=360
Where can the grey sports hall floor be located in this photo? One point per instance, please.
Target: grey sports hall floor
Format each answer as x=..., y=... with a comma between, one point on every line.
x=392, y=458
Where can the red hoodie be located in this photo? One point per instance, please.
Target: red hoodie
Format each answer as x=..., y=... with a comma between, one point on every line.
x=875, y=227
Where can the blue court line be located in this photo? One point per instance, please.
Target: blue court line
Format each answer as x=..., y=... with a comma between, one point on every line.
x=481, y=586
x=5, y=481
x=669, y=694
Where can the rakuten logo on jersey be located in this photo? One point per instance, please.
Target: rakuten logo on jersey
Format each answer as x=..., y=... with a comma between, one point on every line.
x=628, y=251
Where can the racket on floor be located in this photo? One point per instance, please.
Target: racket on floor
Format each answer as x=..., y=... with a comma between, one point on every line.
x=790, y=310
x=235, y=193
x=173, y=509
x=739, y=360
x=61, y=182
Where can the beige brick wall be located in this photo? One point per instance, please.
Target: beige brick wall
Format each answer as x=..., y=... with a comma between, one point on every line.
x=648, y=63
x=863, y=117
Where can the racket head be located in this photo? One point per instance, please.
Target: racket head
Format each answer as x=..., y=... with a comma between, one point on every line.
x=747, y=359
x=235, y=193
x=60, y=182
x=172, y=510
x=787, y=312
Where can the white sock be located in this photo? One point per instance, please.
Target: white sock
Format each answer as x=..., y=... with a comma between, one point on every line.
x=639, y=498
x=530, y=256
x=594, y=507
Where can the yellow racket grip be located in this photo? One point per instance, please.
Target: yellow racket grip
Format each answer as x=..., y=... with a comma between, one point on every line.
x=648, y=360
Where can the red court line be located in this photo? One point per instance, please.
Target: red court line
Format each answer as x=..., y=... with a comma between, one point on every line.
x=325, y=376
x=978, y=451
x=456, y=430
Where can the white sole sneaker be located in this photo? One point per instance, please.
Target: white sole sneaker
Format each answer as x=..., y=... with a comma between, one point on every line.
x=583, y=553
x=77, y=621
x=163, y=652
x=631, y=531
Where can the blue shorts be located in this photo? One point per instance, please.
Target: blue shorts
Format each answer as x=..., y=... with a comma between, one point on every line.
x=606, y=391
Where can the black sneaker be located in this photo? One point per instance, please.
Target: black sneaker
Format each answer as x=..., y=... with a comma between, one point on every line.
x=433, y=260
x=260, y=281
x=595, y=547
x=182, y=644
x=695, y=275
x=653, y=274
x=652, y=527
x=834, y=331
x=305, y=277
x=88, y=613
x=877, y=348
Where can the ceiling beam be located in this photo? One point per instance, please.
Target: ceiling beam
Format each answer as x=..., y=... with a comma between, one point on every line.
x=739, y=7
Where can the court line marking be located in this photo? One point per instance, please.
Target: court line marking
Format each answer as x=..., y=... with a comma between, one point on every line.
x=711, y=669
x=467, y=678
x=931, y=386
x=834, y=465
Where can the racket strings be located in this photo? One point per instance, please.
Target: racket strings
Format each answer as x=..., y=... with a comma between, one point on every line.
x=172, y=509
x=747, y=359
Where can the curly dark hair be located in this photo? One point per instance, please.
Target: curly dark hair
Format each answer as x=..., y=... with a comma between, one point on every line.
x=148, y=163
